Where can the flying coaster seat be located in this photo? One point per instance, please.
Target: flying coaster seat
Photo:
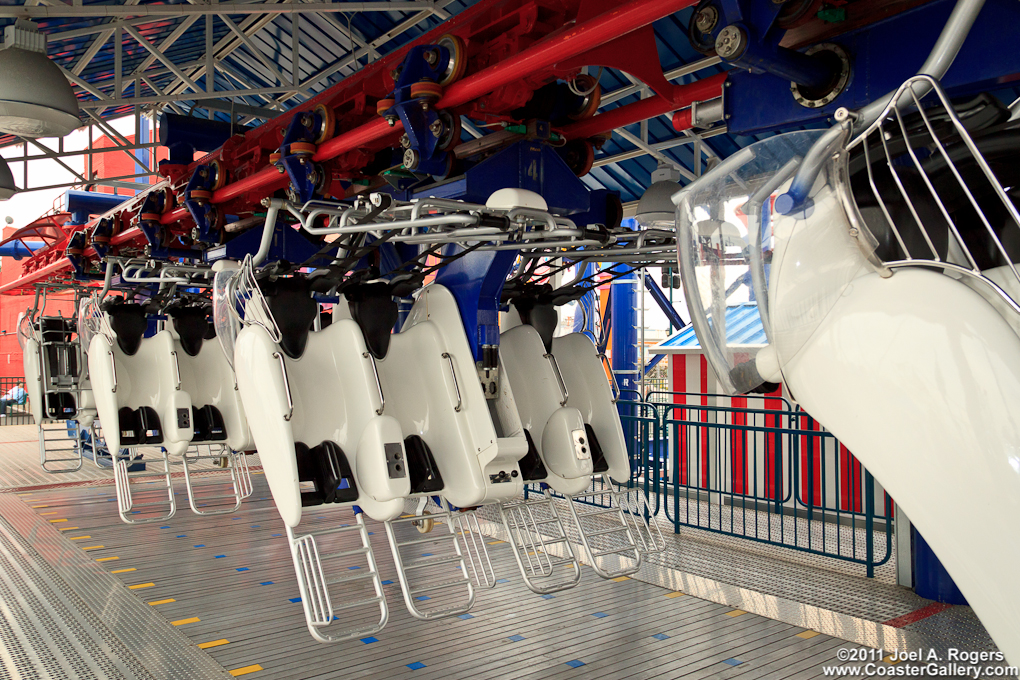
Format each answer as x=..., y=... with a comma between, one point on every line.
x=461, y=447
x=136, y=382
x=56, y=382
x=220, y=428
x=314, y=407
x=575, y=441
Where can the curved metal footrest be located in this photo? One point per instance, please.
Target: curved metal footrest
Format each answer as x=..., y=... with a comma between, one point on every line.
x=605, y=530
x=317, y=584
x=239, y=482
x=475, y=548
x=126, y=504
x=646, y=532
x=440, y=572
x=534, y=527
x=59, y=449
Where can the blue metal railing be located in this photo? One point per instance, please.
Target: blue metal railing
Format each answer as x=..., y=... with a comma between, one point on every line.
x=767, y=473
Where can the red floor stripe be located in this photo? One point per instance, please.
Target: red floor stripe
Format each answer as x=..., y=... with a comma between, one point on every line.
x=915, y=616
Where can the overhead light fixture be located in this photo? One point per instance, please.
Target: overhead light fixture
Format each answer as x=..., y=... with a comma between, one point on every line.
x=7, y=186
x=35, y=98
x=656, y=209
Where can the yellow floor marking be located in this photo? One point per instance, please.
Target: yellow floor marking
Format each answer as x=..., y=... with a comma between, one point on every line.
x=193, y=619
x=246, y=670
x=214, y=643
x=93, y=547
x=496, y=542
x=620, y=578
x=106, y=559
x=675, y=594
x=54, y=521
x=66, y=528
x=78, y=538
x=51, y=512
x=807, y=634
x=736, y=612
x=122, y=571
x=25, y=494
x=141, y=585
x=40, y=506
x=166, y=601
x=889, y=660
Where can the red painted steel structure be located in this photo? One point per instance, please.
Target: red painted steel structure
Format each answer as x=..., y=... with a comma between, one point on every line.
x=511, y=49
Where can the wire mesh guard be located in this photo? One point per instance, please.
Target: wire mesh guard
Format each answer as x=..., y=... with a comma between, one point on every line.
x=926, y=180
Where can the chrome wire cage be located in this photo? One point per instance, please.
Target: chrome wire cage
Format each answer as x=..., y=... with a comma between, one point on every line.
x=92, y=321
x=929, y=194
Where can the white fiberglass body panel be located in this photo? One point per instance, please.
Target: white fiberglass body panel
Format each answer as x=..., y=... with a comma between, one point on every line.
x=431, y=387
x=209, y=379
x=33, y=378
x=147, y=378
x=334, y=398
x=920, y=377
x=536, y=387
x=916, y=371
x=589, y=392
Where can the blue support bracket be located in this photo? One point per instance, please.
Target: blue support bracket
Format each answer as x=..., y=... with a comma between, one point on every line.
x=198, y=200
x=299, y=144
x=476, y=281
x=428, y=133
x=664, y=304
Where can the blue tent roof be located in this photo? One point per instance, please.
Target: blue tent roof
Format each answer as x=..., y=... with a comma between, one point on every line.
x=743, y=327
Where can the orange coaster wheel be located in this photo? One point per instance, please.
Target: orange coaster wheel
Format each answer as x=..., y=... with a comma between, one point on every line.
x=591, y=101
x=168, y=200
x=458, y=59
x=579, y=155
x=384, y=105
x=328, y=126
x=220, y=174
x=200, y=194
x=149, y=217
x=427, y=89
x=302, y=148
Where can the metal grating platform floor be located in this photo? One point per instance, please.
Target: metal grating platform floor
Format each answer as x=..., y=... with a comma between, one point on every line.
x=203, y=597
x=229, y=580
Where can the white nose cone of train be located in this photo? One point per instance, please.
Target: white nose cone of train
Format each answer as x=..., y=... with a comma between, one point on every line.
x=35, y=98
x=508, y=199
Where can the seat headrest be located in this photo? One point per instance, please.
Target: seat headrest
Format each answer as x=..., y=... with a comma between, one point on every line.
x=294, y=309
x=129, y=323
x=375, y=311
x=192, y=325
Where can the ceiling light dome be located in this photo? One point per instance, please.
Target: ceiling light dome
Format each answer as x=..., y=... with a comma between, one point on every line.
x=7, y=186
x=656, y=209
x=35, y=98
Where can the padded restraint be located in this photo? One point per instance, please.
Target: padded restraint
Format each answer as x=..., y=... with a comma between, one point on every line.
x=425, y=477
x=60, y=405
x=540, y=316
x=327, y=468
x=598, y=456
x=192, y=325
x=532, y=467
x=375, y=311
x=129, y=323
x=208, y=424
x=139, y=426
x=294, y=309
